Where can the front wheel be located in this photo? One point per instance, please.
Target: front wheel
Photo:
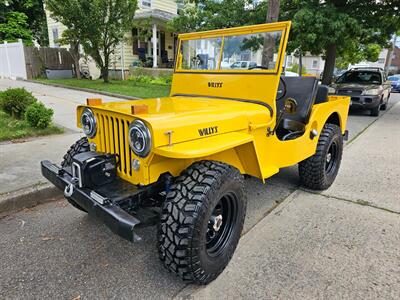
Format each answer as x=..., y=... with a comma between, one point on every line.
x=319, y=171
x=385, y=105
x=375, y=111
x=80, y=146
x=201, y=221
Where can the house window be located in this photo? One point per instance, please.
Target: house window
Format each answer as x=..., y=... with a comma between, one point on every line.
x=315, y=64
x=55, y=37
x=146, y=3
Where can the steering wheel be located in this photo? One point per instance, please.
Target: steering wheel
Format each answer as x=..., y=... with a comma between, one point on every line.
x=258, y=67
x=283, y=93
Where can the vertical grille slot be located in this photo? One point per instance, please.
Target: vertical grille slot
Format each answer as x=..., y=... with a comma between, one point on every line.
x=122, y=138
x=127, y=150
x=117, y=141
x=112, y=138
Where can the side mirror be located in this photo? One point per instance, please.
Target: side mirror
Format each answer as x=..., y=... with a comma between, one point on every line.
x=290, y=106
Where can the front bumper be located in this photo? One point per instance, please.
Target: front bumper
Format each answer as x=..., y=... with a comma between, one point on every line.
x=365, y=102
x=95, y=203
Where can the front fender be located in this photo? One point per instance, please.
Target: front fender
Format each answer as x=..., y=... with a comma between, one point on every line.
x=204, y=147
x=235, y=148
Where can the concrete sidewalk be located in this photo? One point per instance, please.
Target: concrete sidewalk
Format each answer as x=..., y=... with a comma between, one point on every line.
x=343, y=243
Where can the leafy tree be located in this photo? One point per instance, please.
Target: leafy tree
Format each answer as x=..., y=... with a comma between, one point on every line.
x=35, y=17
x=348, y=29
x=212, y=14
x=369, y=53
x=15, y=27
x=100, y=25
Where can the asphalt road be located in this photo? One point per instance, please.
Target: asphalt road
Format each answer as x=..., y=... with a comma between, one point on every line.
x=55, y=251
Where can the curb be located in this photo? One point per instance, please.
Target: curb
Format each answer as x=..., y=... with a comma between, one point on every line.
x=86, y=90
x=27, y=197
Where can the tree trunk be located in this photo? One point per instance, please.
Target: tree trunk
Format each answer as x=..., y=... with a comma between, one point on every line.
x=300, y=63
x=329, y=64
x=105, y=68
x=269, y=43
x=104, y=74
x=389, y=56
x=273, y=11
x=75, y=56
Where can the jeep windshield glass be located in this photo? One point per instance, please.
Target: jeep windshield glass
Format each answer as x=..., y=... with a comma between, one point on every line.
x=251, y=51
x=361, y=77
x=201, y=54
x=244, y=52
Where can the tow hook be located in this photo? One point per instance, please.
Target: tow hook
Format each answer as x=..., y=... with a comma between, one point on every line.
x=69, y=189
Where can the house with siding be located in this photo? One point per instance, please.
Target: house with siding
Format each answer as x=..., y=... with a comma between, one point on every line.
x=160, y=47
x=313, y=64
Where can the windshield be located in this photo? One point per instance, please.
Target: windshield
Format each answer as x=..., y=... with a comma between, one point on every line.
x=201, y=54
x=255, y=51
x=394, y=78
x=361, y=77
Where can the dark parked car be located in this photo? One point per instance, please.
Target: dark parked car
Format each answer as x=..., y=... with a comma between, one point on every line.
x=395, y=81
x=368, y=87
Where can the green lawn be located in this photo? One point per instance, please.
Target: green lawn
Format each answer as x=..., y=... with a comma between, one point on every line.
x=11, y=129
x=127, y=88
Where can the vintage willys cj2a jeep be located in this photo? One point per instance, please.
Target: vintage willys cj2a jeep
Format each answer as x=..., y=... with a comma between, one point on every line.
x=180, y=161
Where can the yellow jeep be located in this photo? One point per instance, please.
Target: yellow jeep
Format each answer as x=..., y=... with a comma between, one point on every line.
x=180, y=161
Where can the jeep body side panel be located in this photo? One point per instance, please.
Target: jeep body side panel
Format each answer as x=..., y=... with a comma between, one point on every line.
x=287, y=153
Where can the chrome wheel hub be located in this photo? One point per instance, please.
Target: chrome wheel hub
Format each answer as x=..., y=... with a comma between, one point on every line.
x=217, y=222
x=329, y=158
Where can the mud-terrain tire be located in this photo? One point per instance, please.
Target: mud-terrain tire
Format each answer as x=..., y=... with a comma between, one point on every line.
x=319, y=171
x=201, y=221
x=80, y=146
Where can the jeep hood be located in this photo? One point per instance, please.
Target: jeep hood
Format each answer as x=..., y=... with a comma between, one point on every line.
x=188, y=118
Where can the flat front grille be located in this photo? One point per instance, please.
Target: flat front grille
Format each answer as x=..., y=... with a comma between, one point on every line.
x=113, y=138
x=349, y=92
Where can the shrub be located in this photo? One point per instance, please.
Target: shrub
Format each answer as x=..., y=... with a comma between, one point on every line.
x=38, y=116
x=145, y=79
x=15, y=101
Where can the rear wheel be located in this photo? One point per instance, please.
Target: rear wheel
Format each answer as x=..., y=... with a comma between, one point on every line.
x=80, y=146
x=201, y=221
x=319, y=171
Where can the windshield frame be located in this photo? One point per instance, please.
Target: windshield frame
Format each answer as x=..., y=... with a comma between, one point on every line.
x=254, y=29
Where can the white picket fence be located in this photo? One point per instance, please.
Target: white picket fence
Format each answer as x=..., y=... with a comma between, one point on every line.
x=12, y=61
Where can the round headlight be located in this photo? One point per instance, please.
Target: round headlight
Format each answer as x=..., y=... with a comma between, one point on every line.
x=88, y=122
x=139, y=138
